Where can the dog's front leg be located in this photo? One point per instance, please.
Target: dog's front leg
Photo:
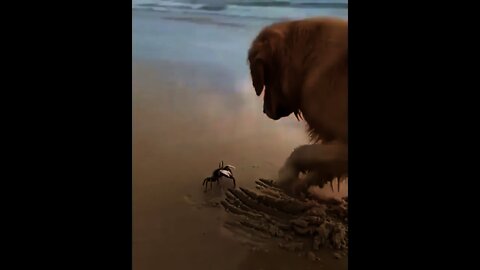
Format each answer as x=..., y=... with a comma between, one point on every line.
x=326, y=161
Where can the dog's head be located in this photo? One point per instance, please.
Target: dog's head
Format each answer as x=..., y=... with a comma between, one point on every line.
x=267, y=67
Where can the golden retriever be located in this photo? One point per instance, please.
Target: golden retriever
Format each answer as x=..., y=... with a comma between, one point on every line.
x=303, y=67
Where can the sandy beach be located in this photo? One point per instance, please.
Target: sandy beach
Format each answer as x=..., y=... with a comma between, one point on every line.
x=194, y=106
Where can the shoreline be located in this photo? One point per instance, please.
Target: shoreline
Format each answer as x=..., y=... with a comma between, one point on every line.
x=251, y=10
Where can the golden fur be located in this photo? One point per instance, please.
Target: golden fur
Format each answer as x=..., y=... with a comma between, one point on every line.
x=303, y=67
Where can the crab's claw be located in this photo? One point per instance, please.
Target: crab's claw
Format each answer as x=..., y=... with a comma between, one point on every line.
x=226, y=173
x=230, y=166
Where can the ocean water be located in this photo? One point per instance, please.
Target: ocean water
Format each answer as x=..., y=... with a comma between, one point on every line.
x=182, y=31
x=273, y=10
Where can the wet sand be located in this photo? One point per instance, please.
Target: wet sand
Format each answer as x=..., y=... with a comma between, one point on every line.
x=187, y=117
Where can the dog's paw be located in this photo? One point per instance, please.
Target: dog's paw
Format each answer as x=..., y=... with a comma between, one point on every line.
x=290, y=180
x=320, y=177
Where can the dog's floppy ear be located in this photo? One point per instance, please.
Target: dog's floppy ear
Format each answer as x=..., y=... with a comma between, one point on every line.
x=257, y=71
x=257, y=65
x=262, y=56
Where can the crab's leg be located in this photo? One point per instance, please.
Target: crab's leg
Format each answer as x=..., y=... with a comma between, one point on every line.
x=205, y=182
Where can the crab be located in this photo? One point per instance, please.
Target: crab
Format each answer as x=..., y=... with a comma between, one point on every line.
x=221, y=171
